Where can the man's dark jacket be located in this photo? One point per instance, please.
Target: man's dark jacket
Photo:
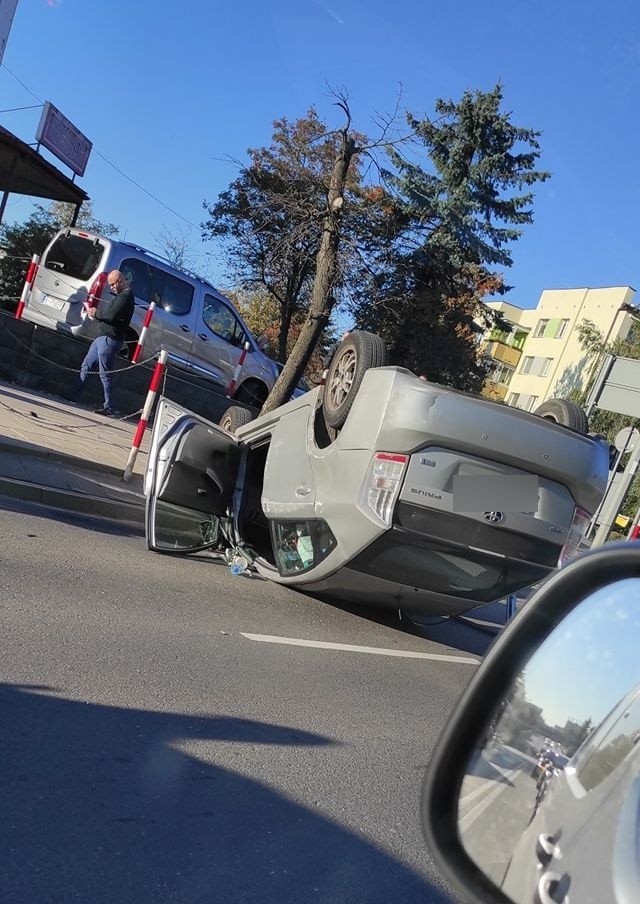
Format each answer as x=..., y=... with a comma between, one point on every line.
x=114, y=315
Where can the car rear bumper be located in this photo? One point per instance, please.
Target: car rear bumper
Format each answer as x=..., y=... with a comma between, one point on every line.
x=460, y=566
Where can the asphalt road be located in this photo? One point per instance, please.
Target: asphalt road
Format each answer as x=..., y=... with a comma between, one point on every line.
x=496, y=804
x=153, y=752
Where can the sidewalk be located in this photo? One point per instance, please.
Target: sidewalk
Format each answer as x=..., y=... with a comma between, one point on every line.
x=65, y=456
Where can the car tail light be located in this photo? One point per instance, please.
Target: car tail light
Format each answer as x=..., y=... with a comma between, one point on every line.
x=383, y=483
x=576, y=535
x=95, y=292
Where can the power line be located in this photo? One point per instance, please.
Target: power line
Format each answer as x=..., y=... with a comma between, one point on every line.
x=102, y=157
x=18, y=109
x=20, y=82
x=137, y=185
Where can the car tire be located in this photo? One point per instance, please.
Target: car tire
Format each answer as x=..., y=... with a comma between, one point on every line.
x=252, y=392
x=357, y=353
x=564, y=413
x=235, y=417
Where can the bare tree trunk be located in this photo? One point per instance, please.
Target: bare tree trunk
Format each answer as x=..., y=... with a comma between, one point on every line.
x=322, y=297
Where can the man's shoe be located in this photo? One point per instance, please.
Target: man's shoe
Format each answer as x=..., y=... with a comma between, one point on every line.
x=107, y=412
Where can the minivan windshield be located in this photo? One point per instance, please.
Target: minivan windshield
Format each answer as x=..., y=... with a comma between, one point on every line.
x=75, y=256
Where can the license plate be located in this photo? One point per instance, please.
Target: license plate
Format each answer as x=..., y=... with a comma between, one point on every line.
x=52, y=303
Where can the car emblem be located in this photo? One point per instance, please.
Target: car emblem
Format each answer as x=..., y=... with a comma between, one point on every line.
x=494, y=517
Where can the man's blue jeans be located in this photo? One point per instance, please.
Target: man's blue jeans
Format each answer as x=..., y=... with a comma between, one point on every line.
x=103, y=352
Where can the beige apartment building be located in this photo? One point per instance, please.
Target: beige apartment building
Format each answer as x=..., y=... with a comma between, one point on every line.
x=542, y=358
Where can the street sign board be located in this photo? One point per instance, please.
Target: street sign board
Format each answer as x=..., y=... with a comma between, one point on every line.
x=61, y=137
x=620, y=391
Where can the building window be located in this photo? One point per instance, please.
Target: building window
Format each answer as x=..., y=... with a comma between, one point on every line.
x=501, y=374
x=498, y=335
x=562, y=328
x=518, y=340
x=537, y=367
x=522, y=400
x=540, y=328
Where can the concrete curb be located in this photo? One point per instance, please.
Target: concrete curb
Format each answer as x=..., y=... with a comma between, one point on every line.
x=80, y=503
x=18, y=447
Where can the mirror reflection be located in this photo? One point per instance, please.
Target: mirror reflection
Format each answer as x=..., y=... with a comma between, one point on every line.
x=549, y=807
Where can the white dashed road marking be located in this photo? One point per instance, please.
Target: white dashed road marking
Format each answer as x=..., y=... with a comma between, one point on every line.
x=351, y=648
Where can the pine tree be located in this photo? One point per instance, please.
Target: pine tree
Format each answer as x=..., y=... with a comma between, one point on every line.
x=462, y=192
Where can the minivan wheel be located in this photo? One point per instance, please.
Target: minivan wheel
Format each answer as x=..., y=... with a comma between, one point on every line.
x=564, y=413
x=252, y=392
x=235, y=417
x=357, y=353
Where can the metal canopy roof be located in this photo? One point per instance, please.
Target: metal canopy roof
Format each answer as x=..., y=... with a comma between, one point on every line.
x=24, y=171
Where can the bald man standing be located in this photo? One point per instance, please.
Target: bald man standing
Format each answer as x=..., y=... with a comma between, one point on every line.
x=113, y=316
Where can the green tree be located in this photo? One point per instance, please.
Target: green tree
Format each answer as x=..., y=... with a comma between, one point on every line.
x=19, y=241
x=176, y=246
x=62, y=214
x=271, y=218
x=456, y=215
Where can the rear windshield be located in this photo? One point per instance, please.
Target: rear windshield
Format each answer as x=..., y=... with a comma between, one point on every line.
x=74, y=256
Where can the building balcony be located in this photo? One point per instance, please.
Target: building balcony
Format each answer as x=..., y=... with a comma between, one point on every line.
x=506, y=354
x=495, y=391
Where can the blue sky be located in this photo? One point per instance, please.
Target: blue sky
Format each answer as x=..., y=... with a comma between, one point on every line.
x=590, y=661
x=169, y=92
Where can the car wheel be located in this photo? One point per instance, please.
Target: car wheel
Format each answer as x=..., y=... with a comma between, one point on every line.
x=235, y=417
x=357, y=353
x=252, y=392
x=564, y=413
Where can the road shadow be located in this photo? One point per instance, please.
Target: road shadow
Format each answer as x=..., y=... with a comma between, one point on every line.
x=485, y=765
x=103, y=804
x=459, y=632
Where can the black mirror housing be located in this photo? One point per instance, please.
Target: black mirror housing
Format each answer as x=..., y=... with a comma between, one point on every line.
x=468, y=724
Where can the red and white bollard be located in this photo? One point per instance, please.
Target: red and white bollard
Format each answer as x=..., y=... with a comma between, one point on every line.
x=154, y=386
x=28, y=285
x=143, y=332
x=231, y=388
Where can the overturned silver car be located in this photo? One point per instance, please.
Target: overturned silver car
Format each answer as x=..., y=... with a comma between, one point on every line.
x=378, y=488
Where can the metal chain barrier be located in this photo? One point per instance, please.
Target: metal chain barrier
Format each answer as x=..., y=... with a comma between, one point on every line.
x=75, y=370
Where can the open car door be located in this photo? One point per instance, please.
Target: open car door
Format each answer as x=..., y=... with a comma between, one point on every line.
x=190, y=480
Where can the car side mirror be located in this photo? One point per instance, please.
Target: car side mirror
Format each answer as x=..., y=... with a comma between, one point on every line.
x=533, y=792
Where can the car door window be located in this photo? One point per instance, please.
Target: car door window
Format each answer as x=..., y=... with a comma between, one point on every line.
x=222, y=321
x=172, y=294
x=609, y=746
x=150, y=283
x=139, y=275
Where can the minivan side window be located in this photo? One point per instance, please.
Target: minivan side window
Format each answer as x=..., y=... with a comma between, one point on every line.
x=72, y=255
x=222, y=321
x=150, y=283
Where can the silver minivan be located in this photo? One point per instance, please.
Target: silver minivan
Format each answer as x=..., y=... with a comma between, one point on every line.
x=199, y=327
